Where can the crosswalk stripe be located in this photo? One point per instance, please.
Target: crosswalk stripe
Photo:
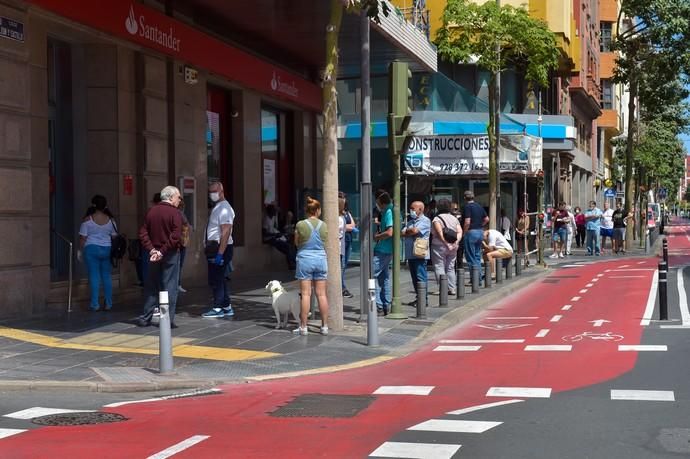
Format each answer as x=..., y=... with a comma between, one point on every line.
x=416, y=450
x=524, y=392
x=549, y=347
x=556, y=318
x=643, y=395
x=471, y=409
x=178, y=447
x=542, y=333
x=566, y=307
x=39, y=411
x=455, y=425
x=4, y=433
x=404, y=390
x=457, y=348
x=642, y=347
x=575, y=298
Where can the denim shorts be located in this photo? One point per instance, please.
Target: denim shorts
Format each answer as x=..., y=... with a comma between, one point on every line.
x=560, y=234
x=311, y=267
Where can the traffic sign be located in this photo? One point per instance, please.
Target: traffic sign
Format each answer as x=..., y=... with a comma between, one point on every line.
x=610, y=193
x=662, y=193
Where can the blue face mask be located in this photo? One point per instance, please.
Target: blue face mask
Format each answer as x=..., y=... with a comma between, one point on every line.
x=413, y=214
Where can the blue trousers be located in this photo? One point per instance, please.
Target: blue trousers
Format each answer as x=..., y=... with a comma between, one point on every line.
x=593, y=242
x=473, y=247
x=97, y=259
x=217, y=281
x=418, y=272
x=382, y=274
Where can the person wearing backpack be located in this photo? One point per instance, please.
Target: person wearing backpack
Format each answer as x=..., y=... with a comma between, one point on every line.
x=95, y=241
x=444, y=245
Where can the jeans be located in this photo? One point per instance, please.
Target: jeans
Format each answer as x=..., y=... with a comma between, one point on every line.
x=418, y=272
x=444, y=263
x=163, y=276
x=217, y=282
x=382, y=274
x=473, y=247
x=593, y=242
x=97, y=259
x=183, y=253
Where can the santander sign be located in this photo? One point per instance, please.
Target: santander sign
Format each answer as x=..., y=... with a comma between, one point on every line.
x=139, y=26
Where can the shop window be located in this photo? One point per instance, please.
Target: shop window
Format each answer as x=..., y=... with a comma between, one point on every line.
x=218, y=146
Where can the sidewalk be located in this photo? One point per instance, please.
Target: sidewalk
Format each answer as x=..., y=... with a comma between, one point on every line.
x=105, y=351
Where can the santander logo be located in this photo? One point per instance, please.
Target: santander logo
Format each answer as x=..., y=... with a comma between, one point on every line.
x=160, y=35
x=289, y=89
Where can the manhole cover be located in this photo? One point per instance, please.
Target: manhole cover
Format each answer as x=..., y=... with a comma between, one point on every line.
x=78, y=419
x=324, y=406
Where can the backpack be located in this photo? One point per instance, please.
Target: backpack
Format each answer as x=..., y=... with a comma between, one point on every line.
x=118, y=247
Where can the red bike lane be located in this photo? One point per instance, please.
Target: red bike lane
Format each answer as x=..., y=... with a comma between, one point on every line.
x=590, y=304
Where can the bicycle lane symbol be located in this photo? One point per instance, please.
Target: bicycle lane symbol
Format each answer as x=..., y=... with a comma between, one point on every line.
x=594, y=336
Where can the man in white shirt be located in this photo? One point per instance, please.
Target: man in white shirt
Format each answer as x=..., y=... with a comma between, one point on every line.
x=496, y=246
x=606, y=229
x=219, y=247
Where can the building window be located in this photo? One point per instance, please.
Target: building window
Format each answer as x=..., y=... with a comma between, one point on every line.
x=606, y=95
x=269, y=151
x=605, y=41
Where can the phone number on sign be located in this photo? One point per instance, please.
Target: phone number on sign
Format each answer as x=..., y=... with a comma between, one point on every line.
x=460, y=167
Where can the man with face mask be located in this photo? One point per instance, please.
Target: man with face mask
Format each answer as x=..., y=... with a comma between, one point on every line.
x=418, y=226
x=219, y=246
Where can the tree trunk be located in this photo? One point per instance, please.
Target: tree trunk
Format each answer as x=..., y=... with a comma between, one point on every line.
x=629, y=149
x=493, y=152
x=330, y=167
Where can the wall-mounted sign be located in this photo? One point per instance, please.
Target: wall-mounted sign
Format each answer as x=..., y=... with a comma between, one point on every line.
x=9, y=28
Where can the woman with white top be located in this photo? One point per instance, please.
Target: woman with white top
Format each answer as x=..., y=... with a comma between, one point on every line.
x=95, y=239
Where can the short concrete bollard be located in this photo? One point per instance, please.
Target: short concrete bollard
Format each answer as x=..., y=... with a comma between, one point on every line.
x=518, y=265
x=474, y=278
x=443, y=290
x=663, y=291
x=165, y=357
x=499, y=270
x=508, y=265
x=487, y=275
x=460, y=276
x=421, y=300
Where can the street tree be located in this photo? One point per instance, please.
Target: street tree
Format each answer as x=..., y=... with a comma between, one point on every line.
x=495, y=38
x=374, y=9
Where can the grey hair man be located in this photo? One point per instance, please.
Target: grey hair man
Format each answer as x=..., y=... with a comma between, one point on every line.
x=160, y=237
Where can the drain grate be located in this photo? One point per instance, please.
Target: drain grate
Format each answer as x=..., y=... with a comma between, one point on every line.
x=324, y=406
x=78, y=419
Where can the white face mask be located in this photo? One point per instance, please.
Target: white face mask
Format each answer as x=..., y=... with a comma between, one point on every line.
x=413, y=214
x=215, y=196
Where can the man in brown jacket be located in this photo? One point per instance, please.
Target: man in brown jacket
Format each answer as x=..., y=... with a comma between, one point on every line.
x=160, y=237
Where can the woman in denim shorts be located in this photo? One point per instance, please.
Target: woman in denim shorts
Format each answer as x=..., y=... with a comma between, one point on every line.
x=312, y=267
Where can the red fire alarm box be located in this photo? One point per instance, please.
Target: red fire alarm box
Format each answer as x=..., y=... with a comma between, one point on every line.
x=127, y=184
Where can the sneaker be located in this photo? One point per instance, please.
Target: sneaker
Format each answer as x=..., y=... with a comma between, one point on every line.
x=181, y=289
x=560, y=255
x=451, y=292
x=228, y=311
x=214, y=313
x=347, y=294
x=300, y=331
x=324, y=330
x=555, y=255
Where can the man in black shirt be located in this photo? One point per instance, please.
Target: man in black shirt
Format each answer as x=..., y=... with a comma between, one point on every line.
x=473, y=228
x=618, y=228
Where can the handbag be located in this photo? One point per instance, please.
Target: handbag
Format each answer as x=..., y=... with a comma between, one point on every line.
x=118, y=246
x=450, y=235
x=420, y=248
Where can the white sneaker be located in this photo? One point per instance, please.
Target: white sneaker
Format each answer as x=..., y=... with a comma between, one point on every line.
x=324, y=330
x=555, y=255
x=560, y=255
x=180, y=289
x=301, y=331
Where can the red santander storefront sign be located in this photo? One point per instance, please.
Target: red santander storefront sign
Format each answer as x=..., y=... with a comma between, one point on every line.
x=154, y=30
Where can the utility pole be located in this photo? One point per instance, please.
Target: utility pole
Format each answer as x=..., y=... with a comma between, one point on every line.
x=497, y=126
x=365, y=161
x=399, y=137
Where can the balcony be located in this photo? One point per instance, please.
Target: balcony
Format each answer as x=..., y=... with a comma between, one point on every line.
x=610, y=120
x=418, y=17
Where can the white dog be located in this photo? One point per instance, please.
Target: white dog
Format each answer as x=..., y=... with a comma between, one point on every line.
x=283, y=302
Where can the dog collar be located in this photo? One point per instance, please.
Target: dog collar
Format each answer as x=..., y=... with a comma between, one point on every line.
x=273, y=290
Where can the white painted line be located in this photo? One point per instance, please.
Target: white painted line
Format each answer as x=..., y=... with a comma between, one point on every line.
x=404, y=390
x=509, y=318
x=624, y=266
x=566, y=307
x=39, y=411
x=416, y=450
x=192, y=393
x=640, y=262
x=596, y=279
x=501, y=326
x=480, y=341
x=181, y=446
x=685, y=327
x=549, y=347
x=523, y=392
x=634, y=269
x=542, y=333
x=584, y=290
x=455, y=425
x=589, y=285
x=644, y=395
x=575, y=298
x=642, y=347
x=651, y=300
x=600, y=275
x=484, y=406
x=556, y=318
x=571, y=266
x=4, y=433
x=607, y=270
x=457, y=348
x=683, y=298
x=626, y=277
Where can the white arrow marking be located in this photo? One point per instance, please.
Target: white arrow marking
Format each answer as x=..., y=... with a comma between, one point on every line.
x=599, y=322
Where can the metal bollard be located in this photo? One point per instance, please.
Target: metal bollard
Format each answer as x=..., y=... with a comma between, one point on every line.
x=487, y=275
x=372, y=316
x=165, y=358
x=421, y=300
x=442, y=291
x=509, y=267
x=460, y=276
x=474, y=273
x=499, y=270
x=665, y=250
x=518, y=265
x=663, y=292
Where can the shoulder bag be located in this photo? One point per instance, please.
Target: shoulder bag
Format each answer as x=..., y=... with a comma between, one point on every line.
x=449, y=234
